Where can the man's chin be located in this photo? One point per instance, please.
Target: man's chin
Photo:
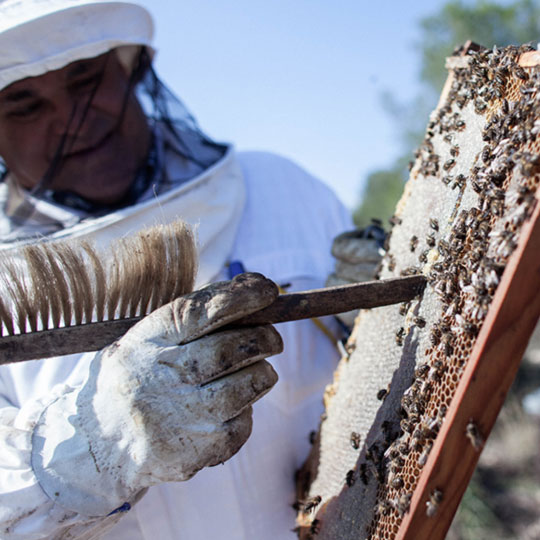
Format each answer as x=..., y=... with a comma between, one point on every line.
x=98, y=189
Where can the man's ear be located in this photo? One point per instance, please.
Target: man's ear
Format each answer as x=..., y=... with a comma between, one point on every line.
x=135, y=59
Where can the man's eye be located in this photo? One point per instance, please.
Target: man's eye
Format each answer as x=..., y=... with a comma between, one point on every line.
x=25, y=112
x=86, y=82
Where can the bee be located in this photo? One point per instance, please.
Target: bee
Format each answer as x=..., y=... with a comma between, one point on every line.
x=430, y=240
x=406, y=425
x=523, y=195
x=312, y=436
x=314, y=527
x=447, y=346
x=435, y=336
x=410, y=271
x=404, y=308
x=477, y=186
x=382, y=393
x=474, y=435
x=391, y=452
x=397, y=482
x=426, y=388
x=308, y=505
x=363, y=474
x=526, y=90
x=422, y=460
x=447, y=179
x=481, y=231
x=459, y=182
x=394, y=220
x=461, y=221
x=384, y=508
x=497, y=193
x=436, y=371
x=421, y=433
x=432, y=505
x=470, y=329
x=404, y=503
x=417, y=408
x=399, y=338
x=486, y=155
x=349, y=478
x=435, y=424
x=520, y=73
x=419, y=321
x=421, y=371
x=460, y=124
x=454, y=151
x=389, y=434
x=373, y=454
x=413, y=242
x=405, y=402
x=528, y=164
x=499, y=82
x=442, y=411
x=403, y=449
x=449, y=164
x=480, y=106
x=422, y=258
x=391, y=263
x=355, y=440
x=434, y=224
x=396, y=465
x=507, y=244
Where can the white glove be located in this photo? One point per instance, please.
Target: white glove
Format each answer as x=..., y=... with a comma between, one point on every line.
x=358, y=254
x=162, y=402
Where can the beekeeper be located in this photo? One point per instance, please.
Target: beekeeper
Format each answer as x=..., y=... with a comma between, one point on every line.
x=119, y=444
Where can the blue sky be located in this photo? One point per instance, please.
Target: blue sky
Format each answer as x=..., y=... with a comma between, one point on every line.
x=302, y=78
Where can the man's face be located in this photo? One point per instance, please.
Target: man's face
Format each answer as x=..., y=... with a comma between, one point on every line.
x=101, y=154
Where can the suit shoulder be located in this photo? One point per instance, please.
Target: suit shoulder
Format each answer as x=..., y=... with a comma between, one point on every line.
x=276, y=176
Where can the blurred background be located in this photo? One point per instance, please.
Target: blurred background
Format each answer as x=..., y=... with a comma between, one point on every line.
x=345, y=89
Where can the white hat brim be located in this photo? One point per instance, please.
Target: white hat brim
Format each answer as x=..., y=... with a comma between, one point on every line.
x=46, y=36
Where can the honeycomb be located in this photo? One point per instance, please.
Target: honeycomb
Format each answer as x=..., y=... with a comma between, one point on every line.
x=472, y=187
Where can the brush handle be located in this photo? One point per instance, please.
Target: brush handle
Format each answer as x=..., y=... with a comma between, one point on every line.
x=287, y=307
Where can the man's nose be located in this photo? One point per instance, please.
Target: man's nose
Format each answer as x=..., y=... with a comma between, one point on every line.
x=69, y=115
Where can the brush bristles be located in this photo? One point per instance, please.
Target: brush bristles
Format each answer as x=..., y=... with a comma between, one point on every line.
x=54, y=284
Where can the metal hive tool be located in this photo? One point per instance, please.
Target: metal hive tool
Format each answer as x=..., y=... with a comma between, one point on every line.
x=410, y=409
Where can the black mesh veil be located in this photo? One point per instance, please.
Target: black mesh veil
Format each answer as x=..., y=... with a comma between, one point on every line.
x=161, y=107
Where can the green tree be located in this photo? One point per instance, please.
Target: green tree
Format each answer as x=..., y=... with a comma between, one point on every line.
x=384, y=189
x=485, y=22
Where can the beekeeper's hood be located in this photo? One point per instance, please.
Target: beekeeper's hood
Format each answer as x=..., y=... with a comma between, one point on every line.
x=37, y=36
x=190, y=175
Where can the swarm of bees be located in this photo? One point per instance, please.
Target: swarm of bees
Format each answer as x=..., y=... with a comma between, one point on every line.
x=463, y=254
x=469, y=259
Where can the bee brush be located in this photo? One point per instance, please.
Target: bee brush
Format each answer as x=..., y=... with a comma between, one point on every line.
x=60, y=298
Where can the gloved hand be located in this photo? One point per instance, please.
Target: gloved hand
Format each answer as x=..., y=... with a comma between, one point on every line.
x=164, y=401
x=358, y=254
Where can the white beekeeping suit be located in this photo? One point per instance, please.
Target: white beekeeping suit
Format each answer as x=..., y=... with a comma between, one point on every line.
x=255, y=209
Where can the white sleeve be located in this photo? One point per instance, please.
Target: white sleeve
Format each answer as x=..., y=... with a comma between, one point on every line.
x=26, y=512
